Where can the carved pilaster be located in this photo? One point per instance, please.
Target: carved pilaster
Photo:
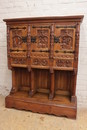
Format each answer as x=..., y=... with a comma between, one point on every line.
x=8, y=47
x=76, y=45
x=29, y=48
x=51, y=48
x=52, y=41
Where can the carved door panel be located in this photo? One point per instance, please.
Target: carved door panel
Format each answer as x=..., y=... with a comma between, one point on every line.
x=64, y=38
x=18, y=37
x=40, y=37
x=40, y=45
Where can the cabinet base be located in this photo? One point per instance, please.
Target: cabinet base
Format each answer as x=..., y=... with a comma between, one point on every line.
x=59, y=106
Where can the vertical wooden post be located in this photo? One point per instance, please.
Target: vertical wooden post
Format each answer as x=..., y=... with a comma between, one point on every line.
x=33, y=90
x=73, y=90
x=52, y=89
x=74, y=74
x=14, y=87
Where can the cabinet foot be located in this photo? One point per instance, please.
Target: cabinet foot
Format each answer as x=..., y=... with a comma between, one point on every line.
x=13, y=90
x=51, y=96
x=31, y=93
x=73, y=98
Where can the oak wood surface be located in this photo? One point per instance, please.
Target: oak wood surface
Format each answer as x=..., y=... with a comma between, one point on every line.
x=43, y=56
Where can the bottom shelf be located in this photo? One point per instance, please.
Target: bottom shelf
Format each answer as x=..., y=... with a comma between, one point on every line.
x=60, y=105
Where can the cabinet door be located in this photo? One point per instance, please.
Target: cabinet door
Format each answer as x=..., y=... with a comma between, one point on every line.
x=64, y=38
x=18, y=37
x=64, y=46
x=40, y=45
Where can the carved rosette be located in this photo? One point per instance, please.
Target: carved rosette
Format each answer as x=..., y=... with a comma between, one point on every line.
x=64, y=63
x=42, y=62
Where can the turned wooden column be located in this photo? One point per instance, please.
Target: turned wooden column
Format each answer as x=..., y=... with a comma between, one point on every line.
x=74, y=74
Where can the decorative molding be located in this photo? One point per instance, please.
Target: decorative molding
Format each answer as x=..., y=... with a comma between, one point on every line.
x=18, y=54
x=41, y=26
x=68, y=26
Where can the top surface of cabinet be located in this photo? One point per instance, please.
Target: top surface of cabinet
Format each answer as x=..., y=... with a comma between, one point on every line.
x=77, y=18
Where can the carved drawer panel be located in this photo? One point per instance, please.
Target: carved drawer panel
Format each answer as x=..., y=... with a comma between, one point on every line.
x=19, y=62
x=64, y=37
x=18, y=37
x=64, y=61
x=40, y=63
x=63, y=64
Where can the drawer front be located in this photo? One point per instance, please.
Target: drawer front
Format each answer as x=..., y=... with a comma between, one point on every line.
x=40, y=63
x=18, y=37
x=64, y=61
x=64, y=38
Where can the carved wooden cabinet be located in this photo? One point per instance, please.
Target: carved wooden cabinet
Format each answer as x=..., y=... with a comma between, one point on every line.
x=43, y=56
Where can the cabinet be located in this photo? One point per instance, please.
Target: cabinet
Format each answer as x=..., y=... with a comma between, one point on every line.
x=43, y=57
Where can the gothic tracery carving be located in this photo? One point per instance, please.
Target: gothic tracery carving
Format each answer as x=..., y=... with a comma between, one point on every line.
x=42, y=38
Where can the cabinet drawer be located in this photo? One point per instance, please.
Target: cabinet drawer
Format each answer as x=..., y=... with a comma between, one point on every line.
x=40, y=63
x=18, y=62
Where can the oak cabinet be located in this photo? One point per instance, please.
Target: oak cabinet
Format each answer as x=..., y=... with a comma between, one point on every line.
x=43, y=57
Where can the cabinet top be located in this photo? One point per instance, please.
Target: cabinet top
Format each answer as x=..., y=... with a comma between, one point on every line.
x=77, y=18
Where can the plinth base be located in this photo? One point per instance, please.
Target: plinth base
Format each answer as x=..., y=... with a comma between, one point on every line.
x=59, y=106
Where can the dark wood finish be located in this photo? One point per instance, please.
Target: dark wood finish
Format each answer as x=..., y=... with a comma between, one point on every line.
x=43, y=56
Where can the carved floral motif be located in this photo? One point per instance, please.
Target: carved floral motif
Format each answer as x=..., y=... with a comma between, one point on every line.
x=42, y=62
x=17, y=39
x=64, y=63
x=19, y=61
x=66, y=38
